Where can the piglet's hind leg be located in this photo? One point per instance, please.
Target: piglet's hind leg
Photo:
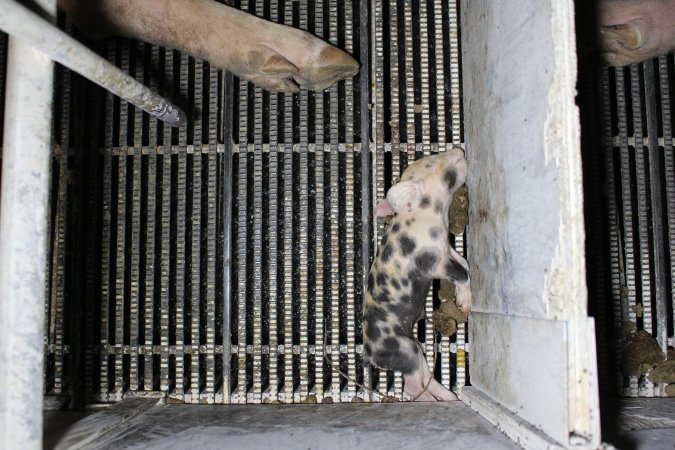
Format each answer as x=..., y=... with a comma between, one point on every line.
x=421, y=386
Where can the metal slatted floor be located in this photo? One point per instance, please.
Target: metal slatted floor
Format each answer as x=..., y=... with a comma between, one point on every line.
x=224, y=262
x=630, y=192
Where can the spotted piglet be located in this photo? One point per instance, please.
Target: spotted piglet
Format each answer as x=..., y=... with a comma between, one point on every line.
x=415, y=249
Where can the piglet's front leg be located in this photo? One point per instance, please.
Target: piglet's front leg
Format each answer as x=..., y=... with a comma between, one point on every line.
x=456, y=270
x=273, y=56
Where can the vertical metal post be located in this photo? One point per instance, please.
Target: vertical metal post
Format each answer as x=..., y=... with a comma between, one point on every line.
x=23, y=225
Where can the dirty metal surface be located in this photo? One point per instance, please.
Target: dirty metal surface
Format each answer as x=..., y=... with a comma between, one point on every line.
x=225, y=261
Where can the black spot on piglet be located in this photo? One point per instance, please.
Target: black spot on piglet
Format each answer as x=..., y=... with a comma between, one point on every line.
x=387, y=251
x=435, y=232
x=407, y=244
x=450, y=178
x=375, y=314
x=373, y=332
x=456, y=272
x=426, y=261
x=390, y=357
x=391, y=344
x=425, y=202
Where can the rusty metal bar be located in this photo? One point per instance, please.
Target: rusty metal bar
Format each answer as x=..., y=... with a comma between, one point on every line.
x=30, y=28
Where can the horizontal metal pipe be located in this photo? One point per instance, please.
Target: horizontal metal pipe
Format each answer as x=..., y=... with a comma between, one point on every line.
x=30, y=28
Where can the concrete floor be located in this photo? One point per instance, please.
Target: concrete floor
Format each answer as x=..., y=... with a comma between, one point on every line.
x=639, y=423
x=343, y=426
x=141, y=423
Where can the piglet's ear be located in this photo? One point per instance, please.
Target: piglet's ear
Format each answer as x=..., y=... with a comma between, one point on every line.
x=383, y=209
x=404, y=196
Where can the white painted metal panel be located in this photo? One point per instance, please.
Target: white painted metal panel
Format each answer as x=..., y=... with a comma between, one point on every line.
x=532, y=345
x=23, y=241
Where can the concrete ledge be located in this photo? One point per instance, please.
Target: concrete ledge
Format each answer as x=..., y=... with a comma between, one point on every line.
x=518, y=429
x=92, y=428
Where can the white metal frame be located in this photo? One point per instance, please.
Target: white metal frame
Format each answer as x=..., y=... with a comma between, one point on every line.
x=23, y=232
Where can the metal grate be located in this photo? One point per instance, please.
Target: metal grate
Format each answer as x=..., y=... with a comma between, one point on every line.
x=225, y=261
x=628, y=123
